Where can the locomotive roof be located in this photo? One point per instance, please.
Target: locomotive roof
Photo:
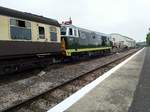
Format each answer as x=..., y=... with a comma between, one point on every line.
x=27, y=16
x=87, y=30
x=98, y=33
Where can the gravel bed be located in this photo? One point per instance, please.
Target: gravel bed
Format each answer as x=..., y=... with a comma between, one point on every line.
x=52, y=98
x=16, y=92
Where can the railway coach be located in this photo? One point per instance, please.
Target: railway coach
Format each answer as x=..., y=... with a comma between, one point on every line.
x=24, y=35
x=120, y=41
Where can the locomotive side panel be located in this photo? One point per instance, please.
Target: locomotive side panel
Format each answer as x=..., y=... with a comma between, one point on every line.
x=83, y=39
x=98, y=40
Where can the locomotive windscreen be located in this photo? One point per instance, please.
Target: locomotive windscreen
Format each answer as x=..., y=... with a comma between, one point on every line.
x=63, y=30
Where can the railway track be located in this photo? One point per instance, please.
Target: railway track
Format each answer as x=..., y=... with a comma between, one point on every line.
x=44, y=100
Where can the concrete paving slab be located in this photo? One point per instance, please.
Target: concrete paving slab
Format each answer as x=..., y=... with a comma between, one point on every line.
x=114, y=94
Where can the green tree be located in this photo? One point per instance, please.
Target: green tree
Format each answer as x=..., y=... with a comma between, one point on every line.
x=148, y=39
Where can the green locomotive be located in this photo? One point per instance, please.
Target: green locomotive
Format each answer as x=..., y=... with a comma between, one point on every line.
x=79, y=41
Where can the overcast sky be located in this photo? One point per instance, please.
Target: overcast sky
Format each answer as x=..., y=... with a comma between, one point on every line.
x=126, y=17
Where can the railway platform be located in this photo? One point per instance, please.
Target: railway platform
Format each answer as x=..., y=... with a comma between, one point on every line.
x=125, y=89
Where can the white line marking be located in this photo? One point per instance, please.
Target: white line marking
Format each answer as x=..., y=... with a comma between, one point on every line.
x=68, y=102
x=41, y=73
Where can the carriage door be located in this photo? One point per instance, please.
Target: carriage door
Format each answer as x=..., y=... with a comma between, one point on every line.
x=75, y=33
x=72, y=39
x=41, y=33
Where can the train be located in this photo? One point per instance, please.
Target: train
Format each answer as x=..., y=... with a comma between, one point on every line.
x=122, y=42
x=28, y=40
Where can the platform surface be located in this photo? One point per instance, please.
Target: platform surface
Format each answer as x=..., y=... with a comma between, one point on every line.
x=122, y=91
x=141, y=100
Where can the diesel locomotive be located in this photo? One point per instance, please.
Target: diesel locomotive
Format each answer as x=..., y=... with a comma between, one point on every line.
x=79, y=41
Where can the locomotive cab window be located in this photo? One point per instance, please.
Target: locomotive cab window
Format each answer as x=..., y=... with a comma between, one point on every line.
x=41, y=32
x=70, y=31
x=63, y=30
x=75, y=33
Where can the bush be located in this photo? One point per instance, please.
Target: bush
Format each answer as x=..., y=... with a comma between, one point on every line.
x=148, y=39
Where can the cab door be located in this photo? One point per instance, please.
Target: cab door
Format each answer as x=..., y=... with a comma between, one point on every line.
x=104, y=40
x=72, y=39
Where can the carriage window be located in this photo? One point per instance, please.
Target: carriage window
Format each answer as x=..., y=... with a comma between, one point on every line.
x=28, y=24
x=19, y=29
x=13, y=22
x=21, y=23
x=70, y=31
x=53, y=34
x=41, y=32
